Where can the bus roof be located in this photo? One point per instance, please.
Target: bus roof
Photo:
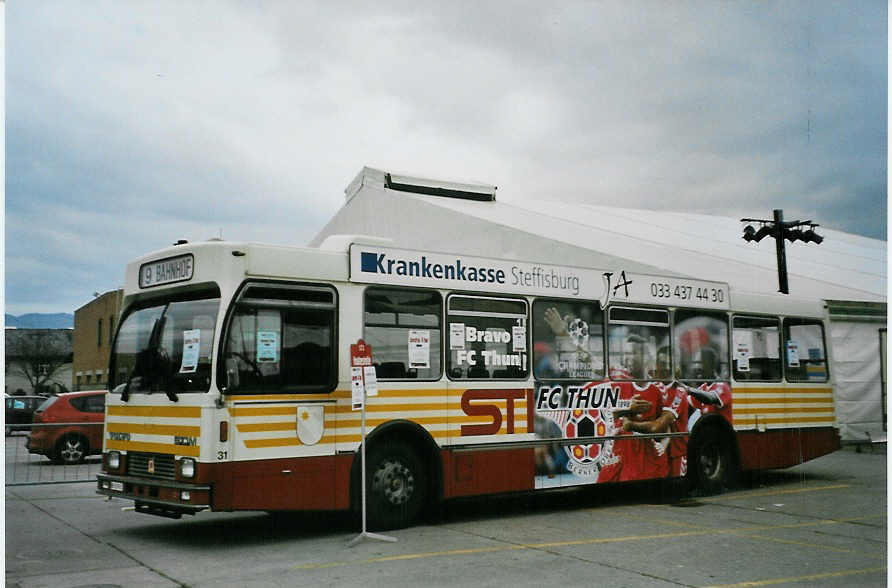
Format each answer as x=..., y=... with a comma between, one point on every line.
x=190, y=266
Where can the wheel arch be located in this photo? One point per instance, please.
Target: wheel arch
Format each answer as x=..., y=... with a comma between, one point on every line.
x=418, y=438
x=719, y=424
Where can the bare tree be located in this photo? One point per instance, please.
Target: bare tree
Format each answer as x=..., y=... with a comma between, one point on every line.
x=38, y=355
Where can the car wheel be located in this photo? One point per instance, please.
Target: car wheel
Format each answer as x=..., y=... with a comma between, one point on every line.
x=72, y=449
x=396, y=486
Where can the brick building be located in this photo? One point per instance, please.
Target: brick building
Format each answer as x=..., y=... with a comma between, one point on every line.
x=94, y=328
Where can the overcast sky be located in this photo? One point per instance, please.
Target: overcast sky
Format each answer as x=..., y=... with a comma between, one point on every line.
x=133, y=124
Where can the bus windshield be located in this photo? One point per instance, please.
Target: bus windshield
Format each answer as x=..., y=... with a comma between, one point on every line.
x=165, y=347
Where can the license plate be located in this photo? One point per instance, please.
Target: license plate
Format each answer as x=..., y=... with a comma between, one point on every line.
x=117, y=486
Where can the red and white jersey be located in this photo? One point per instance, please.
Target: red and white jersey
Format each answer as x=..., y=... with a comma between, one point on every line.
x=643, y=458
x=675, y=400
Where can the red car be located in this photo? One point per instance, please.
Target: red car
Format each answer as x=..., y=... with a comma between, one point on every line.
x=68, y=427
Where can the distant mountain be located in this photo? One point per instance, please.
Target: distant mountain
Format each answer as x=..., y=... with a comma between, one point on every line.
x=35, y=320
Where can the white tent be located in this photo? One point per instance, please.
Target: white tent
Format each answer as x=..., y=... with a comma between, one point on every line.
x=847, y=271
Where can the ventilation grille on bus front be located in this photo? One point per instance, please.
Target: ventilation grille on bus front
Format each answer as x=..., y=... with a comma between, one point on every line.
x=155, y=465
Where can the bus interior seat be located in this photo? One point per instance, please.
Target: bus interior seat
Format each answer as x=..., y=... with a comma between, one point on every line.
x=306, y=363
x=390, y=369
x=478, y=372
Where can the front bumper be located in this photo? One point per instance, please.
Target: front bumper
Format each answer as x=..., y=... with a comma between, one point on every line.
x=38, y=446
x=158, y=497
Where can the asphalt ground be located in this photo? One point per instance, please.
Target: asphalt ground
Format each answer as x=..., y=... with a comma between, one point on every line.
x=823, y=523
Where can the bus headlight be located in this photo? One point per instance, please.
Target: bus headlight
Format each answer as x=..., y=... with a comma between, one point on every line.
x=187, y=467
x=113, y=460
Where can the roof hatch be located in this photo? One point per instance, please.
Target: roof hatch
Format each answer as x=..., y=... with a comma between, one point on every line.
x=478, y=193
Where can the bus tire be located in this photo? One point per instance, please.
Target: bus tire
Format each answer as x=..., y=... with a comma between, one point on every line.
x=711, y=462
x=396, y=485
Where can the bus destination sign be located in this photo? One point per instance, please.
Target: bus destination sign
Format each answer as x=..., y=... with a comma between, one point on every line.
x=166, y=271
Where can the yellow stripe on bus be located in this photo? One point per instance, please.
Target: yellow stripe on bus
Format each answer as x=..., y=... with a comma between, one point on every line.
x=783, y=420
x=408, y=392
x=780, y=391
x=263, y=411
x=346, y=409
x=282, y=442
x=259, y=443
x=440, y=420
x=787, y=410
x=282, y=397
x=261, y=427
x=395, y=393
x=190, y=450
x=428, y=393
x=186, y=431
x=454, y=434
x=191, y=412
x=827, y=400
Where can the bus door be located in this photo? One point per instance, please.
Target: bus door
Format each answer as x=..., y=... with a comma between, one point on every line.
x=488, y=377
x=279, y=361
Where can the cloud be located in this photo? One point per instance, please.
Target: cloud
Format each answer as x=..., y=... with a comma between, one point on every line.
x=131, y=126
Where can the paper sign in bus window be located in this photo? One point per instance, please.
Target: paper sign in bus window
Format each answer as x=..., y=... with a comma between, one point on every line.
x=742, y=355
x=793, y=353
x=191, y=345
x=419, y=349
x=267, y=346
x=518, y=338
x=456, y=336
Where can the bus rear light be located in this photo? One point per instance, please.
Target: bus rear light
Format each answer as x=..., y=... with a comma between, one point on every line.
x=224, y=431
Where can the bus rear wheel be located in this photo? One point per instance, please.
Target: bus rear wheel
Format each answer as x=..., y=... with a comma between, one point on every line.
x=396, y=486
x=712, y=465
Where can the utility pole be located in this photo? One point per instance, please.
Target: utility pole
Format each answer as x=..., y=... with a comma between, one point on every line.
x=784, y=286
x=781, y=231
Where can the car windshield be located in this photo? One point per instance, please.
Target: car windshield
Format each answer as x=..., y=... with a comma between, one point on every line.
x=165, y=348
x=47, y=403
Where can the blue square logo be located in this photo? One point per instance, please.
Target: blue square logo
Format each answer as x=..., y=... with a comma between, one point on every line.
x=369, y=262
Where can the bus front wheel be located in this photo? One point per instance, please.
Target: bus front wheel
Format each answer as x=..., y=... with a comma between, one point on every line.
x=396, y=486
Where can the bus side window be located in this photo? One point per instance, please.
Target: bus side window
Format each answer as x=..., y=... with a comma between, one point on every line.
x=403, y=327
x=281, y=338
x=700, y=345
x=804, y=356
x=638, y=344
x=568, y=340
x=756, y=349
x=487, y=338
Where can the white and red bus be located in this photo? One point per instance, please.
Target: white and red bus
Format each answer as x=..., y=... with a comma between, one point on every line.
x=230, y=379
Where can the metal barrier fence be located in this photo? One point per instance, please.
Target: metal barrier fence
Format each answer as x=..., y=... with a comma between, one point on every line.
x=70, y=448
